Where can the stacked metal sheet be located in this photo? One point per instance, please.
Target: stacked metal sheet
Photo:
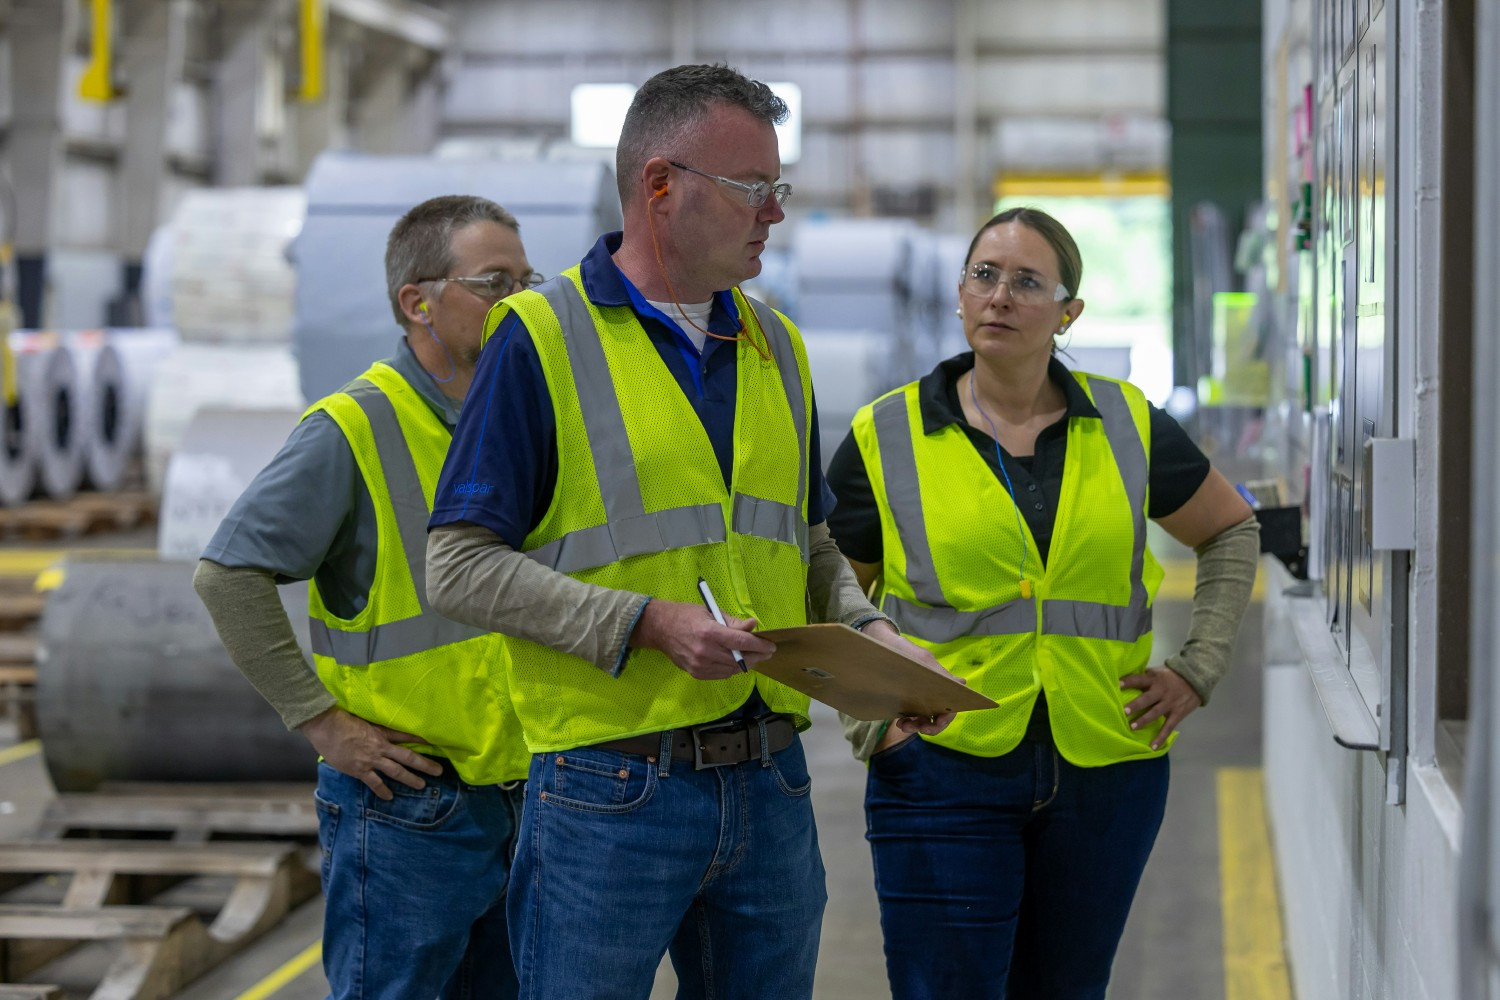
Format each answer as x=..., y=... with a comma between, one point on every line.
x=230, y=286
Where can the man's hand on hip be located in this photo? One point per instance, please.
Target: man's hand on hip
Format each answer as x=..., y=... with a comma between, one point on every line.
x=366, y=751
x=696, y=643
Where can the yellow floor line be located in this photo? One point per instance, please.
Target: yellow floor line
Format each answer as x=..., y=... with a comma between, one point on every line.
x=28, y=562
x=19, y=752
x=291, y=970
x=1254, y=949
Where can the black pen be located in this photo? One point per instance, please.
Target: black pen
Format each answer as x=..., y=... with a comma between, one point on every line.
x=713, y=609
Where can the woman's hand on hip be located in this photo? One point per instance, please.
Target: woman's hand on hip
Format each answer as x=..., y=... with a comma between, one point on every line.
x=1164, y=695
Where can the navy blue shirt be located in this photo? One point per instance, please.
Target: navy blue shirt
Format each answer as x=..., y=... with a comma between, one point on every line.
x=502, y=466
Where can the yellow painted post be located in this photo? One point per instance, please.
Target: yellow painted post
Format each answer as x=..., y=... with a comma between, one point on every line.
x=95, y=84
x=9, y=391
x=313, y=21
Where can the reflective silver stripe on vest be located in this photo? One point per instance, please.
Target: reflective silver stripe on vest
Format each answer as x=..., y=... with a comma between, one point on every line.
x=628, y=530
x=938, y=625
x=903, y=491
x=603, y=544
x=770, y=519
x=603, y=420
x=406, y=637
x=1130, y=456
x=780, y=344
x=403, y=488
x=1089, y=620
x=942, y=623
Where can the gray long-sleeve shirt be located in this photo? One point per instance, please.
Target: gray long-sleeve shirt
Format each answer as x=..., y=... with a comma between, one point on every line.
x=306, y=516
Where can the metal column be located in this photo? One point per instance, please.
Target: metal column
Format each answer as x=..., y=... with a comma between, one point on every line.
x=40, y=33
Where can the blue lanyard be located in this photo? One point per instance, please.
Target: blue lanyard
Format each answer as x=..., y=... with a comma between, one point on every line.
x=1000, y=460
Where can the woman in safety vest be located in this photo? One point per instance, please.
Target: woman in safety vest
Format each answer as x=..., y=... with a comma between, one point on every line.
x=998, y=506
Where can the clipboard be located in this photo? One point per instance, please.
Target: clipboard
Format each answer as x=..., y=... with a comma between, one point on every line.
x=860, y=676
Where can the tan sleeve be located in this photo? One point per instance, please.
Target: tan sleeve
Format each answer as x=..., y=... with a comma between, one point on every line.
x=1226, y=578
x=252, y=623
x=475, y=578
x=833, y=592
x=834, y=595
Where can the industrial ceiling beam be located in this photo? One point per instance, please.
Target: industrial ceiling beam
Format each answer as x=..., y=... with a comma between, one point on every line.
x=413, y=23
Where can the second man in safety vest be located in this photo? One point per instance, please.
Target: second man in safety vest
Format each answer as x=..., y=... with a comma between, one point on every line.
x=418, y=794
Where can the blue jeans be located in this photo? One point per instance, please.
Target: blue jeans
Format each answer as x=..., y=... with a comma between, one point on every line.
x=622, y=858
x=1006, y=877
x=415, y=888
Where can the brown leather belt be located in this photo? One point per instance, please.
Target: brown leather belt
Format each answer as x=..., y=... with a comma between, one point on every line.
x=713, y=744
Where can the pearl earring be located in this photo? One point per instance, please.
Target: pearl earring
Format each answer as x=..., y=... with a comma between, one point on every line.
x=959, y=312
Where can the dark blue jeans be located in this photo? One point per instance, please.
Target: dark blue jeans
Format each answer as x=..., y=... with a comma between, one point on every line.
x=1006, y=878
x=415, y=888
x=622, y=859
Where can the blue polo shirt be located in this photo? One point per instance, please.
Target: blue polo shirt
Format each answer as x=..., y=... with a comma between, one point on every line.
x=502, y=467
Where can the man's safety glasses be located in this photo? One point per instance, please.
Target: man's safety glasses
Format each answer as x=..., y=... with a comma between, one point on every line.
x=755, y=194
x=495, y=285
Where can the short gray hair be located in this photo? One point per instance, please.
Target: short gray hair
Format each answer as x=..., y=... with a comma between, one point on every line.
x=667, y=106
x=421, y=242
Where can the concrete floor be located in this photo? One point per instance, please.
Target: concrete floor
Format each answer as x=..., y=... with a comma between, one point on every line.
x=1172, y=945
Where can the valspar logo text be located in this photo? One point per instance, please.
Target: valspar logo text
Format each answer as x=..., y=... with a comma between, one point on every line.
x=471, y=489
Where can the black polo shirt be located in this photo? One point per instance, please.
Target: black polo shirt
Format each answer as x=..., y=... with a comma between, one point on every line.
x=1178, y=466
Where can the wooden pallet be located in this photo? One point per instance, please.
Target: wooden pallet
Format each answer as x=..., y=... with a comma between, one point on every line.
x=85, y=514
x=20, y=607
x=30, y=991
x=191, y=813
x=126, y=894
x=20, y=610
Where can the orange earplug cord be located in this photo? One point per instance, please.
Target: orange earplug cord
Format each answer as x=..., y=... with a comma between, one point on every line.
x=741, y=334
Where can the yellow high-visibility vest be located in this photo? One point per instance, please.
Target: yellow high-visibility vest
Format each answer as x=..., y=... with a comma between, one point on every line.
x=640, y=505
x=397, y=662
x=951, y=576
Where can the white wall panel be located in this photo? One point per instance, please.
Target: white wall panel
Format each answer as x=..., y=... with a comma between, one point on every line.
x=86, y=205
x=906, y=88
x=1054, y=24
x=825, y=85
x=1068, y=84
x=189, y=133
x=563, y=26
x=531, y=93
x=772, y=26
x=901, y=158
x=902, y=24
x=877, y=76
x=80, y=283
x=824, y=170
x=1072, y=144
